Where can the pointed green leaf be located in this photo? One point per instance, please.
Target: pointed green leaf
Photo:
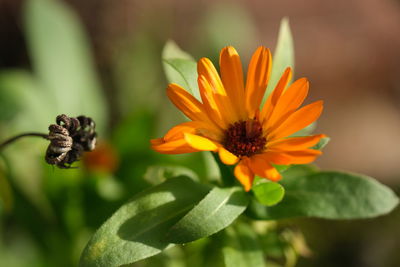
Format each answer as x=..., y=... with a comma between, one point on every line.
x=283, y=56
x=322, y=143
x=61, y=59
x=180, y=68
x=268, y=193
x=306, y=131
x=186, y=74
x=159, y=173
x=242, y=247
x=137, y=230
x=214, y=213
x=172, y=50
x=331, y=195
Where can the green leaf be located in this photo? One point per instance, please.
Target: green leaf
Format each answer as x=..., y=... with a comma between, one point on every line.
x=268, y=193
x=299, y=170
x=137, y=230
x=256, y=210
x=214, y=213
x=180, y=68
x=187, y=74
x=322, y=143
x=306, y=131
x=242, y=248
x=283, y=56
x=157, y=174
x=61, y=59
x=172, y=50
x=331, y=195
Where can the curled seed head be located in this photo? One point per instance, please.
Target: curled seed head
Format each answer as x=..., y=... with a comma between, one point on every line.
x=69, y=139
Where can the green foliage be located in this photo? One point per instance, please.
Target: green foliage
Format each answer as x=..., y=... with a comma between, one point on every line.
x=180, y=68
x=268, y=193
x=159, y=173
x=23, y=101
x=215, y=212
x=137, y=230
x=306, y=131
x=330, y=195
x=62, y=60
x=283, y=56
x=322, y=143
x=242, y=247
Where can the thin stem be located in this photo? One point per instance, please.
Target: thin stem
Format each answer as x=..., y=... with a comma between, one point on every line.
x=14, y=138
x=227, y=177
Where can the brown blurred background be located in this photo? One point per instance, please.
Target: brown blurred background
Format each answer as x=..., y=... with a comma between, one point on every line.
x=349, y=50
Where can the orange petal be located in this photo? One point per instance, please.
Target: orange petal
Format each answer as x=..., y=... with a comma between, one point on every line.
x=227, y=157
x=157, y=141
x=184, y=101
x=257, y=78
x=290, y=157
x=213, y=109
x=178, y=146
x=200, y=143
x=275, y=95
x=232, y=78
x=263, y=168
x=195, y=127
x=297, y=121
x=304, y=156
x=207, y=69
x=295, y=143
x=288, y=102
x=213, y=92
x=244, y=175
x=174, y=141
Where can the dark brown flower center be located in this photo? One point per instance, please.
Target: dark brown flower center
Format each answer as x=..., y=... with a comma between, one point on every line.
x=244, y=138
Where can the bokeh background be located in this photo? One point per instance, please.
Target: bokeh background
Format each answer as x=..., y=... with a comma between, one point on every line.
x=349, y=50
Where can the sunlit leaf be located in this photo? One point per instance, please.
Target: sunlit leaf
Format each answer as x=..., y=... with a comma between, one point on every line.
x=137, y=230
x=306, y=131
x=322, y=143
x=283, y=55
x=330, y=195
x=215, y=212
x=187, y=74
x=268, y=193
x=159, y=173
x=180, y=68
x=61, y=58
x=172, y=50
x=242, y=248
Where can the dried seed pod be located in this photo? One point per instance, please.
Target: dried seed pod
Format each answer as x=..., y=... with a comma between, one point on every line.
x=69, y=138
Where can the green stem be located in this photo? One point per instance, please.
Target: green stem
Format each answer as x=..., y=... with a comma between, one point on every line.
x=227, y=176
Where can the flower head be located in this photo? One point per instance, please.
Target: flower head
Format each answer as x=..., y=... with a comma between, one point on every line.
x=231, y=121
x=69, y=138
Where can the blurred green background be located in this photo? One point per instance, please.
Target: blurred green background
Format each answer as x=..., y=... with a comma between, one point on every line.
x=103, y=59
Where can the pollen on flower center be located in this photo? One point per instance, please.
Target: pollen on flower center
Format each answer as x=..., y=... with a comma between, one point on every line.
x=244, y=138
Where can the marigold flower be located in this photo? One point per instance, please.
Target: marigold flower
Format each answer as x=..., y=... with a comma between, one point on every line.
x=229, y=119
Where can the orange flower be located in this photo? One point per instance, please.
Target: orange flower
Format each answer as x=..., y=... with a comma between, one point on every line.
x=229, y=119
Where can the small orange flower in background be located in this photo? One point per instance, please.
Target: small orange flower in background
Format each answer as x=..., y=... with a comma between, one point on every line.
x=103, y=158
x=230, y=121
